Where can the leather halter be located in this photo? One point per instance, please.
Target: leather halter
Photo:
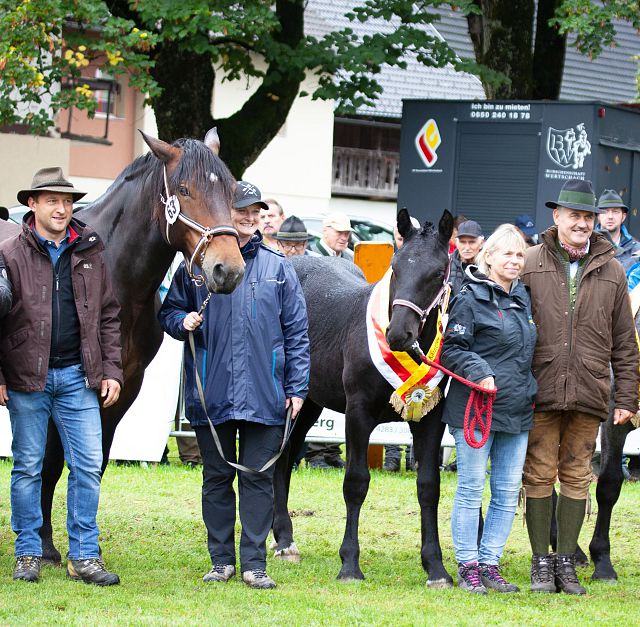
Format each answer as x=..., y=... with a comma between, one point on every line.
x=423, y=313
x=206, y=233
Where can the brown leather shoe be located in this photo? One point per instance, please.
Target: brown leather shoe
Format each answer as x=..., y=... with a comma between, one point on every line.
x=27, y=568
x=91, y=570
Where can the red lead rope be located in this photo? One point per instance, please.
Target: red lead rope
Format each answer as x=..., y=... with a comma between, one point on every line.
x=480, y=399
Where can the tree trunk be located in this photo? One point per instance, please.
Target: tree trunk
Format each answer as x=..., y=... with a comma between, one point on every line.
x=246, y=133
x=183, y=108
x=502, y=40
x=550, y=50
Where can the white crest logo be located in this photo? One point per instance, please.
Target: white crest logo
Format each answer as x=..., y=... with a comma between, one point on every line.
x=569, y=147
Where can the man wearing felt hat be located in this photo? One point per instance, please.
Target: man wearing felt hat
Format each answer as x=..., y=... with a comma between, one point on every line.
x=581, y=307
x=292, y=238
x=61, y=356
x=613, y=213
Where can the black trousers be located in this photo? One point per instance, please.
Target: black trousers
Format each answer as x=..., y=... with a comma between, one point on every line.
x=258, y=443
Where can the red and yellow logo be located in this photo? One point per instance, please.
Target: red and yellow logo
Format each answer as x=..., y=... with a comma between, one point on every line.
x=427, y=142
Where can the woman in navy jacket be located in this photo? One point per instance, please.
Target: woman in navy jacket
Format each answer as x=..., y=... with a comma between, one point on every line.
x=490, y=339
x=252, y=356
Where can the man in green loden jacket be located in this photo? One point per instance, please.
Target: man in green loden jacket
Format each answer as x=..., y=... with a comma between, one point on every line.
x=581, y=307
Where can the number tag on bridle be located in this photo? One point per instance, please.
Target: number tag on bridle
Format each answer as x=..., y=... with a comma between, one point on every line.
x=171, y=209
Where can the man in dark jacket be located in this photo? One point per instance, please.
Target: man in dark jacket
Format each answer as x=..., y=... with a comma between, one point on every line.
x=468, y=244
x=581, y=307
x=252, y=354
x=58, y=346
x=613, y=213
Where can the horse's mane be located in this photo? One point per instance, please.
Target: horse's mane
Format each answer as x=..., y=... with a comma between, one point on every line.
x=196, y=165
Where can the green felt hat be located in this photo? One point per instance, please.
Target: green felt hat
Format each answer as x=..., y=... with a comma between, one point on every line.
x=576, y=194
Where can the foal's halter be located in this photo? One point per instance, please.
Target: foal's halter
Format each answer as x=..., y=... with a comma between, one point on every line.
x=423, y=313
x=173, y=212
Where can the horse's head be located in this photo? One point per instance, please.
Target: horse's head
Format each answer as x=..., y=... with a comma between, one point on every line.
x=199, y=225
x=420, y=269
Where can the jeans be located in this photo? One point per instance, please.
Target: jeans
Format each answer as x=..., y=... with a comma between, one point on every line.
x=76, y=414
x=257, y=444
x=507, y=453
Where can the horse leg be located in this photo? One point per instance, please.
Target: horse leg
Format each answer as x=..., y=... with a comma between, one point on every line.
x=51, y=471
x=427, y=435
x=354, y=489
x=607, y=494
x=285, y=547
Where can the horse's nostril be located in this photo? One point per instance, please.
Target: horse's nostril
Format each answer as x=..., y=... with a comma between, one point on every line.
x=219, y=273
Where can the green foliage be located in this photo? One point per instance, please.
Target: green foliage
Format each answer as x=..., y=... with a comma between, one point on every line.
x=36, y=56
x=43, y=42
x=592, y=22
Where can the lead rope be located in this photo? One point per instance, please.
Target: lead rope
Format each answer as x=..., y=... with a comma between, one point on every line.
x=480, y=399
x=214, y=434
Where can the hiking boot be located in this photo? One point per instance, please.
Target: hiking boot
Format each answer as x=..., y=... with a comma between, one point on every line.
x=491, y=578
x=91, y=570
x=469, y=578
x=27, y=568
x=543, y=573
x=391, y=464
x=335, y=461
x=566, y=578
x=220, y=572
x=318, y=463
x=258, y=579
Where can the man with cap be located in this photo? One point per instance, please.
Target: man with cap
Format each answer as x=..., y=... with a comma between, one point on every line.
x=581, y=308
x=527, y=227
x=252, y=352
x=271, y=219
x=61, y=356
x=336, y=230
x=292, y=238
x=613, y=213
x=469, y=241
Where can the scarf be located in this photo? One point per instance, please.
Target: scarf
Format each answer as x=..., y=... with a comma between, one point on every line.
x=575, y=254
x=415, y=386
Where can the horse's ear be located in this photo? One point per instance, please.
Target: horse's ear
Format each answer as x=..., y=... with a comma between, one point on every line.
x=165, y=152
x=445, y=227
x=405, y=228
x=212, y=141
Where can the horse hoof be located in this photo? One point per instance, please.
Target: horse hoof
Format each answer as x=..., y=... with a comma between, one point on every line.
x=439, y=584
x=607, y=580
x=610, y=576
x=356, y=575
x=51, y=562
x=289, y=553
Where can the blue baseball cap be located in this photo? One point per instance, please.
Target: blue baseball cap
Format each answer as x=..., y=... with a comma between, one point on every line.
x=526, y=224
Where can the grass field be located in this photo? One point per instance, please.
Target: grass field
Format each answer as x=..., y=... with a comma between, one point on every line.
x=153, y=536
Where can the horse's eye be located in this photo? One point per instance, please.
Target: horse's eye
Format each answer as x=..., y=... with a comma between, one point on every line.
x=183, y=190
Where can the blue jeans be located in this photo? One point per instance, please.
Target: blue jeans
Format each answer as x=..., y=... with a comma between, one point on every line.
x=76, y=414
x=507, y=453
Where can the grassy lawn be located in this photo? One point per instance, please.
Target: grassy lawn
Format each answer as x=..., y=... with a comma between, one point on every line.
x=153, y=537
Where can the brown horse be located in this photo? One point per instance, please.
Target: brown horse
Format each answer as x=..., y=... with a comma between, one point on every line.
x=134, y=223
